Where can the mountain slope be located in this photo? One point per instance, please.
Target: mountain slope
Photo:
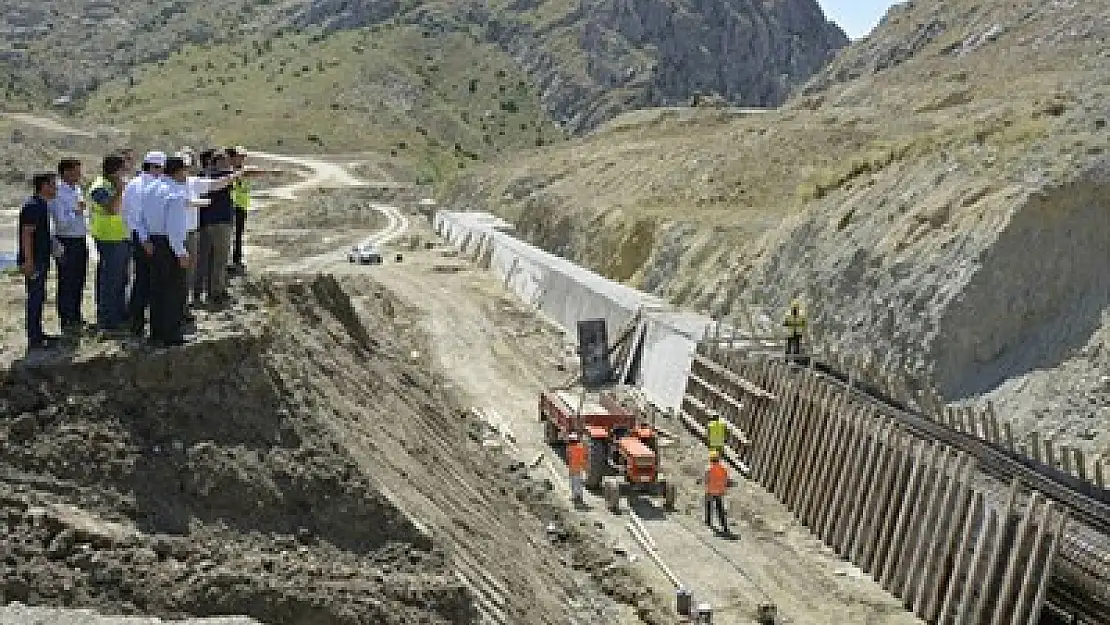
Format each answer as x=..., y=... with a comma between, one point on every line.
x=589, y=59
x=595, y=58
x=937, y=195
x=437, y=104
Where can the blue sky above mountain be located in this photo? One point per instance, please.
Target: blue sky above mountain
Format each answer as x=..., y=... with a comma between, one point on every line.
x=856, y=17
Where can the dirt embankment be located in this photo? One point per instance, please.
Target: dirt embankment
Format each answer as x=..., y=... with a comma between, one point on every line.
x=312, y=471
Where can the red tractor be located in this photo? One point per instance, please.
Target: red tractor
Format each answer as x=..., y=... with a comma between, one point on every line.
x=623, y=450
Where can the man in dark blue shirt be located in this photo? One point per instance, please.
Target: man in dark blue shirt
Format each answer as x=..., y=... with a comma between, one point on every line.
x=217, y=222
x=34, y=255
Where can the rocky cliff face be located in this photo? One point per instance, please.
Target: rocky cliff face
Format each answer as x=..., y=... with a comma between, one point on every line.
x=595, y=58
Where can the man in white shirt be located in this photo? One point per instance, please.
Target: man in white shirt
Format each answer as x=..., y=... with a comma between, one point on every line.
x=67, y=211
x=164, y=216
x=196, y=187
x=133, y=197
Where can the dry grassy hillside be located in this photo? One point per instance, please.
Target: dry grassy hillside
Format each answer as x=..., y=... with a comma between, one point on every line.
x=435, y=103
x=937, y=196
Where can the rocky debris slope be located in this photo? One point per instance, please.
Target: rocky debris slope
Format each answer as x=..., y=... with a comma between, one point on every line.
x=937, y=196
x=305, y=468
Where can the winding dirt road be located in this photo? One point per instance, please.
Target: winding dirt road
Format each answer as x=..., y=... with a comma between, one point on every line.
x=315, y=173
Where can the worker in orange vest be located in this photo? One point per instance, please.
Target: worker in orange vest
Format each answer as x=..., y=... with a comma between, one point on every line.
x=576, y=463
x=716, y=484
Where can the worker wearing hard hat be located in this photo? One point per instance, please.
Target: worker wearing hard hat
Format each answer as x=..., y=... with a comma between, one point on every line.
x=795, y=324
x=718, y=434
x=716, y=485
x=576, y=463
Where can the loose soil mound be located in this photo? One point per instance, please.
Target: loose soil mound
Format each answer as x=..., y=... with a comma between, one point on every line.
x=310, y=471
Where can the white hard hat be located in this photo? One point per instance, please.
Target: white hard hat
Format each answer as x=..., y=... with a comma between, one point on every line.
x=155, y=158
x=573, y=436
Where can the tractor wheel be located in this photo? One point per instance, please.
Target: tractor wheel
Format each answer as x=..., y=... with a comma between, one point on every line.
x=670, y=496
x=611, y=491
x=598, y=464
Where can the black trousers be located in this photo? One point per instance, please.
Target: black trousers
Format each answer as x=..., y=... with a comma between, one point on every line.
x=167, y=292
x=718, y=502
x=72, y=269
x=793, y=346
x=240, y=225
x=140, y=286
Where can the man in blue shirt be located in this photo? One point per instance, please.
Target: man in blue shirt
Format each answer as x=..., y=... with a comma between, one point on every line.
x=164, y=219
x=216, y=225
x=67, y=210
x=33, y=255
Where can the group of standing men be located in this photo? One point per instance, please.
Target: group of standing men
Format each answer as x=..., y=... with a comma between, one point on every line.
x=163, y=237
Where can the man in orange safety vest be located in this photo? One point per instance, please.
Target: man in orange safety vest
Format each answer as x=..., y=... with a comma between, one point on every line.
x=576, y=463
x=716, y=485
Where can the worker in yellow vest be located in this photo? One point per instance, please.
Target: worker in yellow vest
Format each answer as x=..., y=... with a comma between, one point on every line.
x=112, y=237
x=795, y=324
x=718, y=434
x=241, y=199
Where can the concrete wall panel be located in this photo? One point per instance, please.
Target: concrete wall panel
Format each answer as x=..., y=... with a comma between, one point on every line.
x=567, y=294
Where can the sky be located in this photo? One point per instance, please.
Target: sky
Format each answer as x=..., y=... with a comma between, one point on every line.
x=856, y=17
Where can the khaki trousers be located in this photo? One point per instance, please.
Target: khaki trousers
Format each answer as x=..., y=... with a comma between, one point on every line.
x=212, y=252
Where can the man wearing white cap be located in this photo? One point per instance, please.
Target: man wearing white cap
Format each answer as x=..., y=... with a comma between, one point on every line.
x=134, y=200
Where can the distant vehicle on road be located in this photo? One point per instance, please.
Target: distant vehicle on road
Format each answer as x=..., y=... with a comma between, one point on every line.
x=364, y=255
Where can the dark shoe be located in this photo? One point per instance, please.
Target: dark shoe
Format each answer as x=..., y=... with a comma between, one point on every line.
x=178, y=342
x=46, y=341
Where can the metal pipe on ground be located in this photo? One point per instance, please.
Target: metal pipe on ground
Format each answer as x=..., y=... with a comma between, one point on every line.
x=655, y=557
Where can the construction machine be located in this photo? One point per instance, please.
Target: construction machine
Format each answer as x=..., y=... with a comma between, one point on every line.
x=623, y=448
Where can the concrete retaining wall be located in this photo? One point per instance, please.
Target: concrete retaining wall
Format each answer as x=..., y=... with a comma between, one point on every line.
x=567, y=294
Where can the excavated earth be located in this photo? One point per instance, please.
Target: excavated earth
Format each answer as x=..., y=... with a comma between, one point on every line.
x=306, y=467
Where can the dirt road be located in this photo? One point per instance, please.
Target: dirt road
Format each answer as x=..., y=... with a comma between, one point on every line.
x=48, y=124
x=500, y=354
x=322, y=175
